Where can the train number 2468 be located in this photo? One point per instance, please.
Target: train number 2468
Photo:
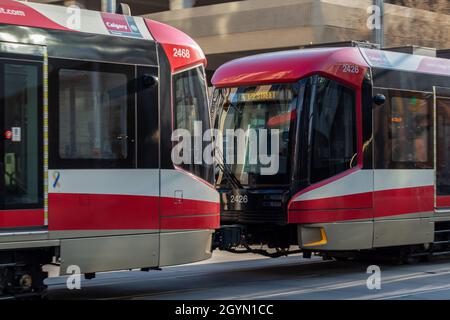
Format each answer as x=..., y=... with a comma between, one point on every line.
x=181, y=53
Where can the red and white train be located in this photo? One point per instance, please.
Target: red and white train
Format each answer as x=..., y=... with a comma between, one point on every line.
x=88, y=103
x=364, y=151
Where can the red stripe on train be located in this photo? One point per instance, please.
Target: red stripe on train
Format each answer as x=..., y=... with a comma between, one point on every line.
x=443, y=202
x=387, y=203
x=123, y=212
x=21, y=218
x=404, y=201
x=102, y=212
x=186, y=207
x=353, y=201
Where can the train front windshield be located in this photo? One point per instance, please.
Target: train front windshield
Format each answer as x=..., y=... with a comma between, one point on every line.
x=269, y=108
x=190, y=108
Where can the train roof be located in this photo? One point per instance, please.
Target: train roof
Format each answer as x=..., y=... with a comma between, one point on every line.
x=72, y=19
x=289, y=66
x=77, y=20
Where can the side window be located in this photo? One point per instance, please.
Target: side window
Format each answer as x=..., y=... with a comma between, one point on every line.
x=443, y=144
x=191, y=106
x=410, y=130
x=332, y=130
x=403, y=131
x=95, y=122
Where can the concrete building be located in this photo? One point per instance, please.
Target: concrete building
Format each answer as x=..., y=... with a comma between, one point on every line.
x=234, y=29
x=139, y=7
x=231, y=29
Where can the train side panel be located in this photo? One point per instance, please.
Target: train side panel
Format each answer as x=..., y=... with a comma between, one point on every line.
x=107, y=196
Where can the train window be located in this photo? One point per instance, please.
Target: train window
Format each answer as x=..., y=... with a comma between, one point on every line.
x=443, y=146
x=95, y=122
x=332, y=130
x=191, y=106
x=92, y=115
x=403, y=131
x=20, y=114
x=410, y=129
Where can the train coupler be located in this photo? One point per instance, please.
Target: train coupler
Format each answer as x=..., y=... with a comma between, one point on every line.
x=228, y=237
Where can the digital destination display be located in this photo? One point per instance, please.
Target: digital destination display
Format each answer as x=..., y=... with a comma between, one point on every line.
x=262, y=95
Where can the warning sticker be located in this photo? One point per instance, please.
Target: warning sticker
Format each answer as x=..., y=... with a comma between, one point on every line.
x=16, y=134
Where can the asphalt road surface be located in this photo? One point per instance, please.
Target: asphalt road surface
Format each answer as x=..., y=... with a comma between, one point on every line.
x=250, y=277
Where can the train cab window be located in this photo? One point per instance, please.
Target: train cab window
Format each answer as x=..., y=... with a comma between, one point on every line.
x=95, y=117
x=191, y=107
x=332, y=130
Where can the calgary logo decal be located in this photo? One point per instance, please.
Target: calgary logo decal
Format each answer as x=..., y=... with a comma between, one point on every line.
x=121, y=25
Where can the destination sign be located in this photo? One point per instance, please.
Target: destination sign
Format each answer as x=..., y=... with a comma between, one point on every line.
x=263, y=95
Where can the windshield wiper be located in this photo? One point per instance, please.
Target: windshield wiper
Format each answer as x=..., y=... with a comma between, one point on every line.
x=228, y=173
x=222, y=165
x=236, y=108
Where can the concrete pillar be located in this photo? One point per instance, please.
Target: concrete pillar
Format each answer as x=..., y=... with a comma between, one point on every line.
x=181, y=4
x=378, y=33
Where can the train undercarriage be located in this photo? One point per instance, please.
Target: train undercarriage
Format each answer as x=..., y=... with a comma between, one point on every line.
x=22, y=276
x=21, y=273
x=280, y=241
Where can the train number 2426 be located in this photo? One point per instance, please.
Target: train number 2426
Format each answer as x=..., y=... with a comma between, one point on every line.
x=350, y=68
x=239, y=199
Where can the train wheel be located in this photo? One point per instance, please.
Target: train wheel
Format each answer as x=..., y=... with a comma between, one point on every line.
x=22, y=281
x=412, y=260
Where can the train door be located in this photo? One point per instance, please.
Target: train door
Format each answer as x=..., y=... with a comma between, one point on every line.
x=188, y=202
x=104, y=164
x=403, y=162
x=21, y=146
x=442, y=142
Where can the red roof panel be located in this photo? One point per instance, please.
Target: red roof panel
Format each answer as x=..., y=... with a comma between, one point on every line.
x=346, y=64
